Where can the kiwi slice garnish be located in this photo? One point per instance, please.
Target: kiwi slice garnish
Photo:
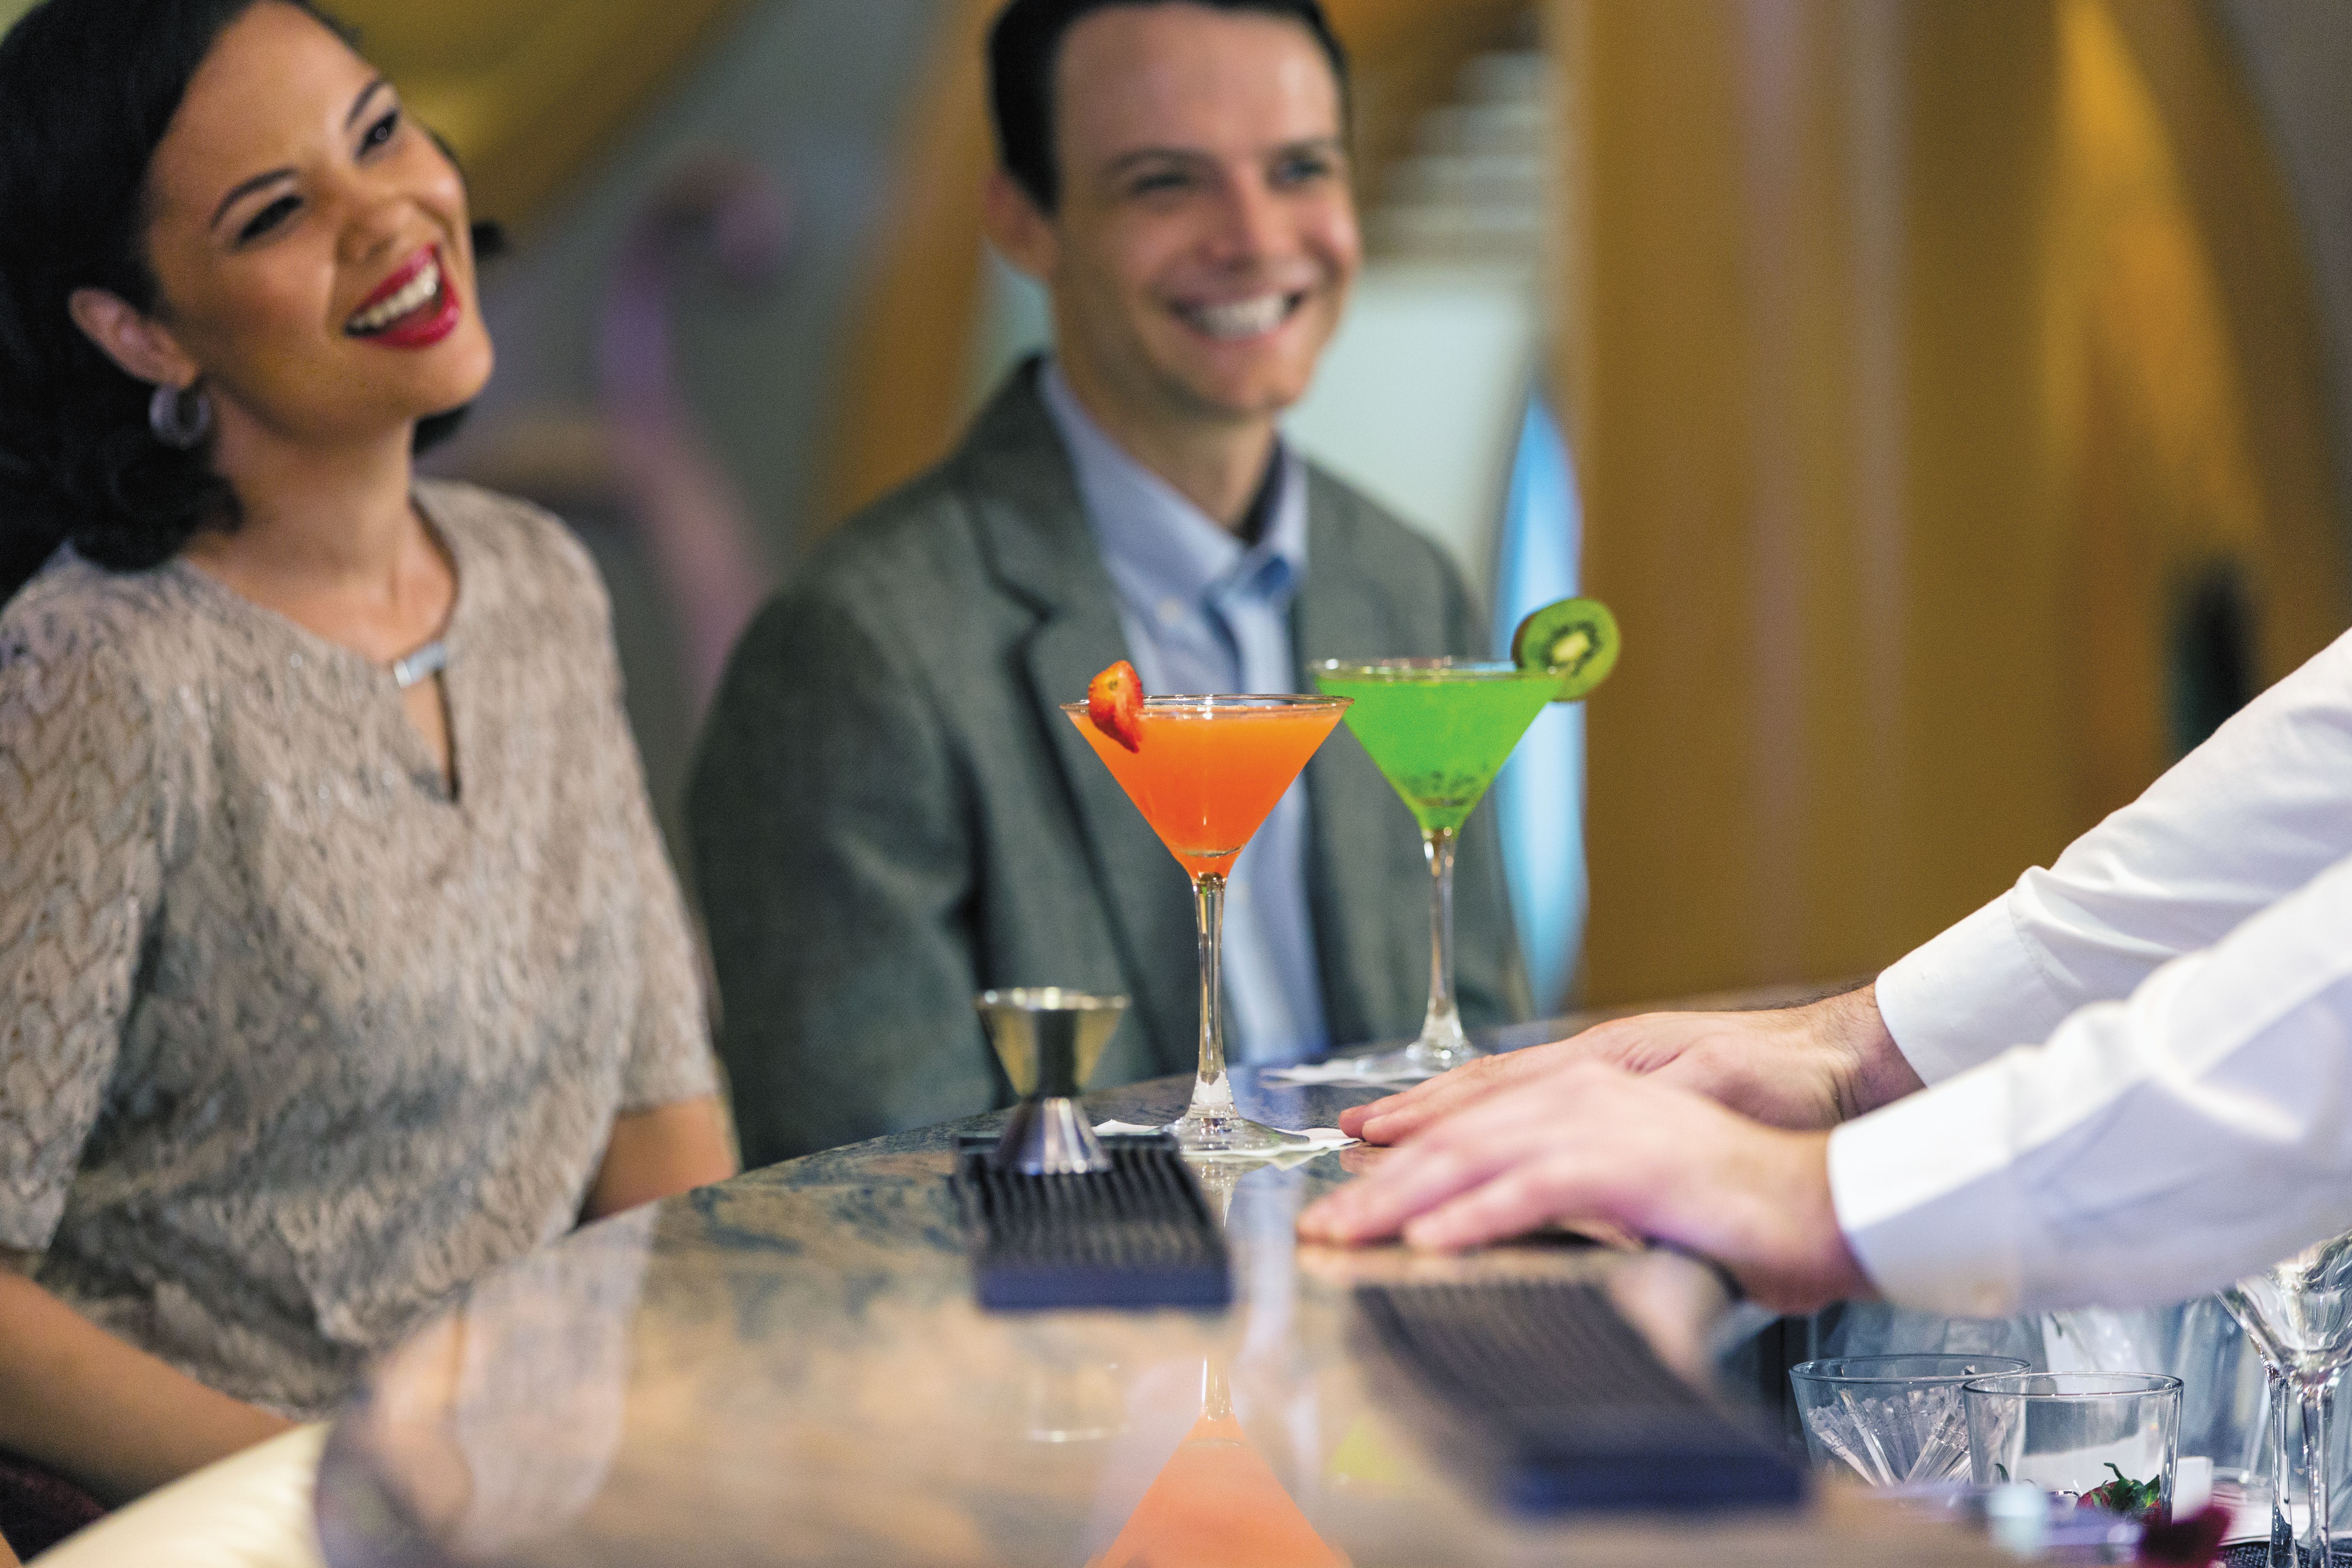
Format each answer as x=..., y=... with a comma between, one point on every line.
x=1576, y=640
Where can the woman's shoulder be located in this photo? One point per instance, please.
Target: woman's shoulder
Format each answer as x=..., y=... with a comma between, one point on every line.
x=75, y=614
x=522, y=559
x=519, y=539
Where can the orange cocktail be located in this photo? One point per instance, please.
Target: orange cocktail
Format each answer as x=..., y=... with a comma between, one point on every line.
x=1205, y=771
x=1205, y=775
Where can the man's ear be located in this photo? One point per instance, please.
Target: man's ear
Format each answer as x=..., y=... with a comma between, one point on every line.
x=1021, y=235
x=141, y=346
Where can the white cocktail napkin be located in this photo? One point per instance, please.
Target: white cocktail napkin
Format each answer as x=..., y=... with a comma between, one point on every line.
x=1321, y=1139
x=1346, y=1071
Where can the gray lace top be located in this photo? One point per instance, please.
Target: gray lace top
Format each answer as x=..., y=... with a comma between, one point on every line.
x=293, y=1040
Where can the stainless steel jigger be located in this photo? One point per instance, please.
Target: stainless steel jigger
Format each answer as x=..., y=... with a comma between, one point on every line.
x=1049, y=1040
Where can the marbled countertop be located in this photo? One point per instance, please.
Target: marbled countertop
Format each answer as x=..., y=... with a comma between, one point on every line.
x=789, y=1368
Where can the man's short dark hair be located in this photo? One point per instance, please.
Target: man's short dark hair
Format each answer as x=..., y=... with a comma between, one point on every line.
x=1024, y=47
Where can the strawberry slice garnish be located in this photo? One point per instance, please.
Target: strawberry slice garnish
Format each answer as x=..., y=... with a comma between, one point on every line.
x=1115, y=704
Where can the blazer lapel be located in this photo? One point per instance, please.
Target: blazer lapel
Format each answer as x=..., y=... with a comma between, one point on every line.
x=1034, y=532
x=1360, y=833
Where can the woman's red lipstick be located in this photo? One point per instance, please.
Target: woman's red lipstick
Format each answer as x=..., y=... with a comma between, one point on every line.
x=426, y=323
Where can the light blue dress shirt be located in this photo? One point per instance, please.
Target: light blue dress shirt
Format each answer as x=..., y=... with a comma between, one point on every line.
x=1204, y=612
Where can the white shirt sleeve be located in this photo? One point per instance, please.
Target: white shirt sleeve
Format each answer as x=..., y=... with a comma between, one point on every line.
x=2253, y=815
x=2153, y=1149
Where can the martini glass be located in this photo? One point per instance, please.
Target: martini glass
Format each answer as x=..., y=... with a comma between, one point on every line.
x=1439, y=730
x=1204, y=774
x=2298, y=1312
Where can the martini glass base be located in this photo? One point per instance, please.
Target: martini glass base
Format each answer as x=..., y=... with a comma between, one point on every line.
x=1427, y=1057
x=1220, y=1132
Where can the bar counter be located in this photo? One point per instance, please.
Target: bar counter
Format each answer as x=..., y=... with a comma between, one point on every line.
x=789, y=1368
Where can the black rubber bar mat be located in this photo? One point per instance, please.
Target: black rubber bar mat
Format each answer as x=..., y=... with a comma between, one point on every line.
x=1140, y=1234
x=1562, y=1405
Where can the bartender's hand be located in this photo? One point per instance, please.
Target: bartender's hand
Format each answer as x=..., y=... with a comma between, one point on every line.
x=1810, y=1067
x=1594, y=1142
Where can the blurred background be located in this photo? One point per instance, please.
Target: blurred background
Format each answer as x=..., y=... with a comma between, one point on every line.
x=1953, y=398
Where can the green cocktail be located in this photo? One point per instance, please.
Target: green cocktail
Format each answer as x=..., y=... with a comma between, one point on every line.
x=1439, y=731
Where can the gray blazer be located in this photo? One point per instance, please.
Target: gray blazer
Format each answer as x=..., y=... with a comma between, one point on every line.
x=889, y=812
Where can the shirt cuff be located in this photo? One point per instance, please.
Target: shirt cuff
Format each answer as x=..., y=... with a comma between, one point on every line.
x=1928, y=1200
x=684, y=1071
x=1968, y=995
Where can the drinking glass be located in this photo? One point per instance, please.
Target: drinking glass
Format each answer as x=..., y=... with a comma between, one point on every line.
x=1439, y=730
x=2298, y=1312
x=1204, y=774
x=2110, y=1438
x=1895, y=1420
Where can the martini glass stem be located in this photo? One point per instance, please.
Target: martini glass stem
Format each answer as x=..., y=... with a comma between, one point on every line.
x=1441, y=1042
x=1216, y=1391
x=1212, y=1127
x=2282, y=1552
x=1214, y=1092
x=2312, y=1548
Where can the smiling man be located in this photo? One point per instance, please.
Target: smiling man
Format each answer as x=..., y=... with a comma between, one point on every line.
x=890, y=813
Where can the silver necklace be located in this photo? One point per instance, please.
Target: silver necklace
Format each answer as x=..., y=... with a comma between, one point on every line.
x=423, y=665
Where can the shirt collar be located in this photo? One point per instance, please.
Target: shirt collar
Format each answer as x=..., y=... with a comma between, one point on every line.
x=1155, y=542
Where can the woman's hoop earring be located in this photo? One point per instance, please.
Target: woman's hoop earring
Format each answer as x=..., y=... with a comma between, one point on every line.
x=180, y=416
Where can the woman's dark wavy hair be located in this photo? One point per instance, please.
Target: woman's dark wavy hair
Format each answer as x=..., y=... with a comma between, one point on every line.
x=86, y=90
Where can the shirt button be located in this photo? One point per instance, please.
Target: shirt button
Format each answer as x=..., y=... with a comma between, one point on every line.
x=293, y=661
x=390, y=778
x=1171, y=612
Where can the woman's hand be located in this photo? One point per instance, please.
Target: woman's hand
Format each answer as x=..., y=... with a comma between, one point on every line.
x=1803, y=1067
x=1591, y=1143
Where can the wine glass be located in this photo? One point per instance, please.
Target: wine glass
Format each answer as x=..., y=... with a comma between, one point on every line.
x=2298, y=1312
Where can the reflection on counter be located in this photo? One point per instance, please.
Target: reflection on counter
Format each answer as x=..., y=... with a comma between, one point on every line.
x=503, y=1418
x=1217, y=1503
x=790, y=1367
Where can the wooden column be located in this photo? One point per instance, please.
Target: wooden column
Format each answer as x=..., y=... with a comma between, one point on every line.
x=1818, y=386
x=1929, y=365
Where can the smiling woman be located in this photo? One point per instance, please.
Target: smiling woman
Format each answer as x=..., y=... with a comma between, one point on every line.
x=84, y=343
x=302, y=1035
